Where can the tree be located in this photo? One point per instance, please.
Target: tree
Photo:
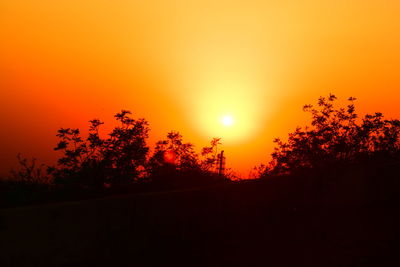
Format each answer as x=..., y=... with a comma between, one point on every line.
x=173, y=153
x=334, y=138
x=210, y=154
x=174, y=163
x=30, y=172
x=94, y=162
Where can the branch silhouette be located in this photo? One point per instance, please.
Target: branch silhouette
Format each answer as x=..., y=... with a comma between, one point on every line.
x=336, y=137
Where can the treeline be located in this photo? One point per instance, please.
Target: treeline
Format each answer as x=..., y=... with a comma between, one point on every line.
x=119, y=162
x=336, y=139
x=123, y=156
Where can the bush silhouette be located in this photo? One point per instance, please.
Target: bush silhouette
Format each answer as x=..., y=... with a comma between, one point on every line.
x=210, y=154
x=175, y=153
x=95, y=162
x=123, y=157
x=335, y=138
x=30, y=172
x=175, y=163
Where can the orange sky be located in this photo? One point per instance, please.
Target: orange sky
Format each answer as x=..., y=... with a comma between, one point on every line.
x=184, y=64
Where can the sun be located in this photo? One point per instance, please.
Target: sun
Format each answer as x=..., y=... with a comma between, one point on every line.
x=228, y=111
x=227, y=120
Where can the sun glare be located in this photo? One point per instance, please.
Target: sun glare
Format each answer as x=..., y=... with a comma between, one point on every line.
x=228, y=111
x=227, y=120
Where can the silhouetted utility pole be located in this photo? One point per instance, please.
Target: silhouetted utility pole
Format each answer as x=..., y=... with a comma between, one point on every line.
x=221, y=163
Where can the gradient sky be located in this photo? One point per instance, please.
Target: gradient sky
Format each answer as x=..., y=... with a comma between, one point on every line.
x=183, y=65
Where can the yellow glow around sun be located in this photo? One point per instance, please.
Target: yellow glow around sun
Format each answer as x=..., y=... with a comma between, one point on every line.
x=228, y=111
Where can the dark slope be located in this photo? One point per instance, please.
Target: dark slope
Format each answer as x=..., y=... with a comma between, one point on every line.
x=345, y=218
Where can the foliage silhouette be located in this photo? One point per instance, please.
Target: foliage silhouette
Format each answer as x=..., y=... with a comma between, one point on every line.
x=175, y=163
x=334, y=222
x=210, y=154
x=26, y=185
x=29, y=172
x=96, y=162
x=336, y=138
x=122, y=158
x=173, y=152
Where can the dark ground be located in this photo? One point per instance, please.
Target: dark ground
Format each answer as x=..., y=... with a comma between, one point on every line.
x=252, y=223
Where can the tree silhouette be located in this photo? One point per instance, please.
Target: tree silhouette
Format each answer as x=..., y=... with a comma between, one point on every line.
x=118, y=159
x=175, y=162
x=122, y=158
x=90, y=164
x=336, y=137
x=173, y=152
x=30, y=172
x=210, y=154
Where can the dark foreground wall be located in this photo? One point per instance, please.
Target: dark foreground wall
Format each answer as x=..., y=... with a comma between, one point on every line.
x=248, y=224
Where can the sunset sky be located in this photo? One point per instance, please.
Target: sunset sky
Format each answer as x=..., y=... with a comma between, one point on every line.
x=239, y=70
